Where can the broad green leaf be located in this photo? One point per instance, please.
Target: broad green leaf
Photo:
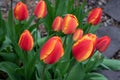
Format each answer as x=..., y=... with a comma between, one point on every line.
x=10, y=26
x=9, y=68
x=93, y=29
x=95, y=61
x=112, y=64
x=76, y=73
x=68, y=42
x=8, y=56
x=62, y=66
x=95, y=76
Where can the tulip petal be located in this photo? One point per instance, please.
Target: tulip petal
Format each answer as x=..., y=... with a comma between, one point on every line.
x=82, y=49
x=26, y=41
x=55, y=54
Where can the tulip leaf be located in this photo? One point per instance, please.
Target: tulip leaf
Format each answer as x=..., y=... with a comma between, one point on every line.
x=8, y=56
x=68, y=42
x=30, y=65
x=10, y=26
x=9, y=68
x=28, y=23
x=93, y=29
x=95, y=76
x=115, y=64
x=95, y=61
x=76, y=73
x=2, y=29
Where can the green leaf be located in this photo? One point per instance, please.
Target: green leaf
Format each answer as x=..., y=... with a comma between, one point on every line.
x=95, y=76
x=77, y=72
x=68, y=42
x=9, y=68
x=8, y=56
x=10, y=26
x=93, y=29
x=112, y=64
x=95, y=61
x=61, y=7
x=62, y=66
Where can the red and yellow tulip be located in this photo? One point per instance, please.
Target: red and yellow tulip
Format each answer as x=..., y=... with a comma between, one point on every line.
x=94, y=16
x=77, y=34
x=26, y=41
x=103, y=43
x=20, y=11
x=84, y=47
x=69, y=24
x=52, y=50
x=40, y=10
x=57, y=23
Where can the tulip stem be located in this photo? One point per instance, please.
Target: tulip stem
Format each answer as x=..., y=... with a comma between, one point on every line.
x=42, y=75
x=64, y=43
x=70, y=68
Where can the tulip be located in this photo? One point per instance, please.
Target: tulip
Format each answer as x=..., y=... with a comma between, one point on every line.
x=84, y=47
x=94, y=16
x=77, y=34
x=103, y=43
x=57, y=23
x=40, y=10
x=69, y=24
x=26, y=41
x=52, y=50
x=20, y=11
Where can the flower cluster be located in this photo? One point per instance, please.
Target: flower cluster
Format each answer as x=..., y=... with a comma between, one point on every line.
x=69, y=48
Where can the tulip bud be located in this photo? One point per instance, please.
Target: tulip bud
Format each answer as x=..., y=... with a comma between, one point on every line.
x=57, y=23
x=84, y=47
x=77, y=34
x=69, y=24
x=26, y=41
x=94, y=16
x=40, y=9
x=20, y=11
x=103, y=43
x=52, y=50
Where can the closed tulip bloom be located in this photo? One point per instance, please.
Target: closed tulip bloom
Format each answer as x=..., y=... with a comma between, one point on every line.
x=57, y=23
x=40, y=9
x=84, y=47
x=69, y=24
x=52, y=50
x=26, y=41
x=103, y=43
x=94, y=16
x=77, y=34
x=20, y=11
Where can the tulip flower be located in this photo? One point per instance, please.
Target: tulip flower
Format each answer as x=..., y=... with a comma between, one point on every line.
x=69, y=24
x=84, y=47
x=40, y=10
x=94, y=16
x=20, y=11
x=77, y=34
x=57, y=23
x=103, y=43
x=52, y=50
x=26, y=41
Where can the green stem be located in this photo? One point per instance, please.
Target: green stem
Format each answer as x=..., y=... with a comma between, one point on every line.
x=37, y=25
x=25, y=64
x=89, y=65
x=70, y=68
x=64, y=43
x=42, y=75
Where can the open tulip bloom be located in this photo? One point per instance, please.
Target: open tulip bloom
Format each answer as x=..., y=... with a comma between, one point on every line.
x=70, y=49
